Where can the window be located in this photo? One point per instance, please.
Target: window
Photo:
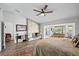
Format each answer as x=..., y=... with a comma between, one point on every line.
x=58, y=29
x=70, y=28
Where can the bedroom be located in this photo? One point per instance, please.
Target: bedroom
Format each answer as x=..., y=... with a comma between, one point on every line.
x=31, y=27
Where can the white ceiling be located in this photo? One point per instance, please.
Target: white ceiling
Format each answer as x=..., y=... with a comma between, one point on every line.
x=61, y=10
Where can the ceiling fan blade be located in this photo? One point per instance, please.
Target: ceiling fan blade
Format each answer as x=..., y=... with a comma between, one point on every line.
x=38, y=14
x=49, y=12
x=45, y=7
x=36, y=10
x=42, y=10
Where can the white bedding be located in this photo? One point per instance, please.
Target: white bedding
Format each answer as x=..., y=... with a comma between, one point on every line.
x=54, y=47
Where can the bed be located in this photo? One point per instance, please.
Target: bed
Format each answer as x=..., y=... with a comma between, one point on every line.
x=54, y=47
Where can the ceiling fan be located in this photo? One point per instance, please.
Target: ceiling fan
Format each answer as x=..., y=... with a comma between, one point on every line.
x=43, y=11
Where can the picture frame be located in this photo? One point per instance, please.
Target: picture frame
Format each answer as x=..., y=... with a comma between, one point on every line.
x=20, y=27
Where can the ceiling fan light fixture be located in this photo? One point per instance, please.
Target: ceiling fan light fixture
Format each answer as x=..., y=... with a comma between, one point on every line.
x=42, y=14
x=43, y=11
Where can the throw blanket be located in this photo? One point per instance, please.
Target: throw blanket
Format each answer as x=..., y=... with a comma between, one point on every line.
x=51, y=47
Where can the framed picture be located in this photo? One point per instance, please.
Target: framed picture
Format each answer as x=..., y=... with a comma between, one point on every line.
x=21, y=27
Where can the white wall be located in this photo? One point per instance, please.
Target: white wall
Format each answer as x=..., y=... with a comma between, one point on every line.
x=21, y=22
x=9, y=28
x=11, y=19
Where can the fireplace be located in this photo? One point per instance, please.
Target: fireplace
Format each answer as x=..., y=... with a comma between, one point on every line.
x=7, y=37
